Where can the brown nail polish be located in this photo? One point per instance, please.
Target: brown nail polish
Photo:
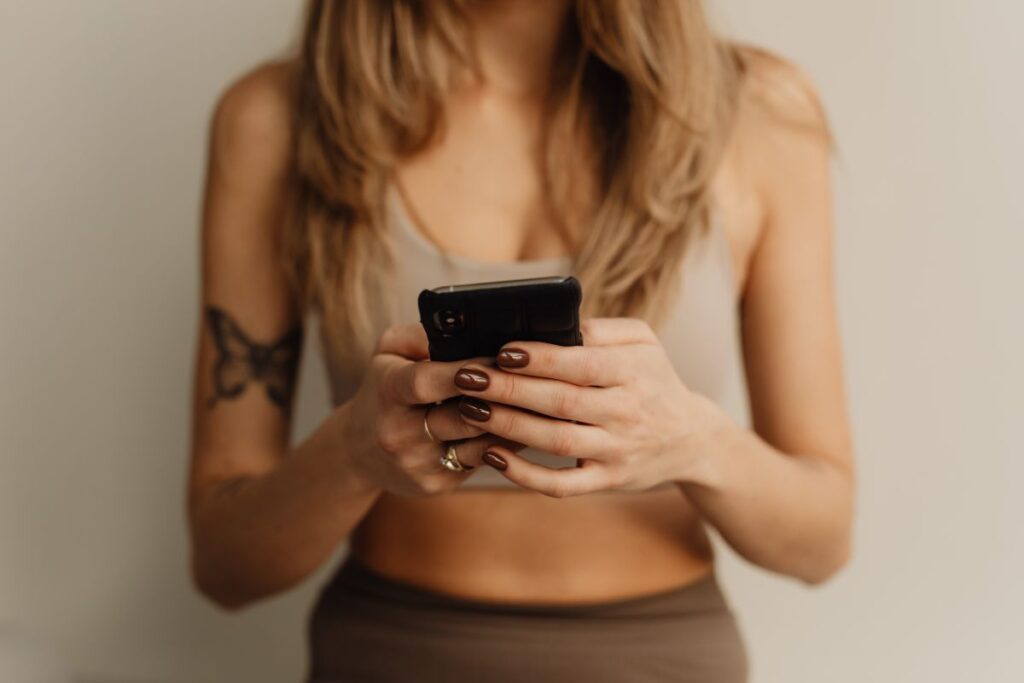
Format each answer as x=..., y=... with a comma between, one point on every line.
x=495, y=461
x=513, y=358
x=474, y=380
x=475, y=409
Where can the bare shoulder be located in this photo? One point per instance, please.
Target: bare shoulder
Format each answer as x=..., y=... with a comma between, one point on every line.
x=778, y=153
x=784, y=133
x=250, y=132
x=249, y=166
x=777, y=96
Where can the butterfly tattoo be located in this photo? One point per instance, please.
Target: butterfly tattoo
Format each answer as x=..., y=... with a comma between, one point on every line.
x=241, y=360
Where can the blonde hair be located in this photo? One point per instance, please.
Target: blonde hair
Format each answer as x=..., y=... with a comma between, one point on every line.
x=649, y=86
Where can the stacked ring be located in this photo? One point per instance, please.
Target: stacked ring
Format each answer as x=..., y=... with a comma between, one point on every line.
x=450, y=458
x=426, y=426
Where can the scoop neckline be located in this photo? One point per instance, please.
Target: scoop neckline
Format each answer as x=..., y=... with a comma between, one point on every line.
x=409, y=229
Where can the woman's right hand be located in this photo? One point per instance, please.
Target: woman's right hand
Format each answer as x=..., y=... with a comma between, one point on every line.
x=383, y=435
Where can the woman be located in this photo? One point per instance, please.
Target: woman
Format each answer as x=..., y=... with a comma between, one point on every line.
x=682, y=179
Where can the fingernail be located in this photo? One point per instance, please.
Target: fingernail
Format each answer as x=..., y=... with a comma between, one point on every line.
x=513, y=358
x=495, y=461
x=475, y=409
x=472, y=379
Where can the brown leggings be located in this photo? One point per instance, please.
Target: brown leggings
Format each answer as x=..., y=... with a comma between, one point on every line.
x=367, y=627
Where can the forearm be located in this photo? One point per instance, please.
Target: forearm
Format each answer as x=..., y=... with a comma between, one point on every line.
x=257, y=535
x=788, y=513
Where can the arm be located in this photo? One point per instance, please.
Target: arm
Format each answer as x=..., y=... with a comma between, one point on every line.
x=262, y=517
x=782, y=494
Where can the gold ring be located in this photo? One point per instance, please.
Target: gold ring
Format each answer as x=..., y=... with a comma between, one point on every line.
x=450, y=460
x=426, y=427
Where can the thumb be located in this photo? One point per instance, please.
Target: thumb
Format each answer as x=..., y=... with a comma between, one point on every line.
x=408, y=340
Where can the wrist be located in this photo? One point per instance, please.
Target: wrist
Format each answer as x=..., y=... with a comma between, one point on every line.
x=704, y=454
x=341, y=452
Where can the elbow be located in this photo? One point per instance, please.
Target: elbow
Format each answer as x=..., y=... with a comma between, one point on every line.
x=833, y=546
x=226, y=600
x=235, y=585
x=224, y=592
x=218, y=573
x=828, y=564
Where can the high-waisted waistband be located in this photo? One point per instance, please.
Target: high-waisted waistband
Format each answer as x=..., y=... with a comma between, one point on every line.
x=367, y=627
x=354, y=577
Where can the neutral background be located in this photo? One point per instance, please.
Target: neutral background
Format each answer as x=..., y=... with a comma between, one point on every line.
x=102, y=134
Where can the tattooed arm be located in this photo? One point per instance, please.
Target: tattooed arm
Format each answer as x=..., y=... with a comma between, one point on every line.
x=262, y=515
x=240, y=360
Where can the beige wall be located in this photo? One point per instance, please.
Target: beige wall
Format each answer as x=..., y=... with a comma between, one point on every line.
x=102, y=124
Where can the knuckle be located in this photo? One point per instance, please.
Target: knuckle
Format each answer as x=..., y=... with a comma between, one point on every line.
x=389, y=339
x=434, y=485
x=563, y=444
x=566, y=402
x=408, y=460
x=378, y=362
x=558, y=490
x=388, y=435
x=508, y=388
x=588, y=366
x=426, y=487
x=388, y=335
x=510, y=423
x=388, y=440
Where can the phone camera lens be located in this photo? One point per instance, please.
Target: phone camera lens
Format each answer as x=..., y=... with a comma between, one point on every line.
x=450, y=321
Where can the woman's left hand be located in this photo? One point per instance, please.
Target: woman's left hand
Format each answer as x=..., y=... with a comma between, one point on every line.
x=620, y=408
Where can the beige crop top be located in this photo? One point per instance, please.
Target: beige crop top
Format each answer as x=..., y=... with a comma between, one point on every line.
x=700, y=334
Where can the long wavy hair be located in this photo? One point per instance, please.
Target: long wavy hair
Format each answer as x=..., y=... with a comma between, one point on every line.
x=647, y=85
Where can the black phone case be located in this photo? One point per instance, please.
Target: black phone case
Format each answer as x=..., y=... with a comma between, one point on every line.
x=477, y=320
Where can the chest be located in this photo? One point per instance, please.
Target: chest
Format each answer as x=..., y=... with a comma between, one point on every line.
x=482, y=190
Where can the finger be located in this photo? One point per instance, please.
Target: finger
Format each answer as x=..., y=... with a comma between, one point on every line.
x=445, y=423
x=425, y=459
x=419, y=382
x=558, y=437
x=558, y=483
x=430, y=477
x=584, y=366
x=408, y=340
x=616, y=331
x=551, y=397
x=471, y=451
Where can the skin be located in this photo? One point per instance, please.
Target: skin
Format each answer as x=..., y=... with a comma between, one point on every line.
x=265, y=515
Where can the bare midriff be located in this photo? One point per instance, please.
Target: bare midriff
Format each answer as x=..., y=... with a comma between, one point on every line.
x=523, y=547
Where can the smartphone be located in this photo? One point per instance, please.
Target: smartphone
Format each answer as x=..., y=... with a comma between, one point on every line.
x=467, y=321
